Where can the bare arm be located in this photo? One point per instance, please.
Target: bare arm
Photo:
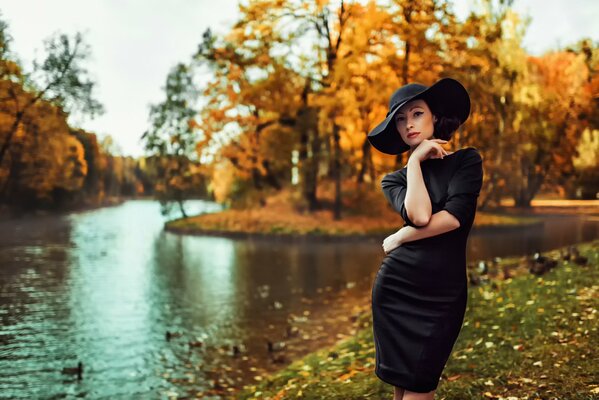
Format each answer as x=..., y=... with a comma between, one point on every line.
x=417, y=203
x=439, y=223
x=459, y=209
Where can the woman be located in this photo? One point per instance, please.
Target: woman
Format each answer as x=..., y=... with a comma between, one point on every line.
x=420, y=292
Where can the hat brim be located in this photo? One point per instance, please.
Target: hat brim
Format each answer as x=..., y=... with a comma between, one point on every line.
x=385, y=138
x=445, y=97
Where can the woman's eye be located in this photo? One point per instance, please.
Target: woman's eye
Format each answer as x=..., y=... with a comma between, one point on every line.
x=418, y=113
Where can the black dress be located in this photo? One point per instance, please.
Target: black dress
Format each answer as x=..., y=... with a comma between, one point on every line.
x=420, y=291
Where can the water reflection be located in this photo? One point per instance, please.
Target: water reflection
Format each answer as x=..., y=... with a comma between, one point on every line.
x=110, y=297
x=200, y=274
x=555, y=231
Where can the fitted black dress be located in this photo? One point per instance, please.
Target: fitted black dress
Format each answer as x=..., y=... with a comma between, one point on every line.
x=420, y=291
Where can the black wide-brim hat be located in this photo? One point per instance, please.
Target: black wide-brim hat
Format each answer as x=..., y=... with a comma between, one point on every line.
x=446, y=97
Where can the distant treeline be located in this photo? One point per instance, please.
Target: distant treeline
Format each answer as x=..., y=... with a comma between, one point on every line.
x=44, y=162
x=293, y=90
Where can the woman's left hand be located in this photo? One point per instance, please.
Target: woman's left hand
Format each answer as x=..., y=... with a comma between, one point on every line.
x=392, y=241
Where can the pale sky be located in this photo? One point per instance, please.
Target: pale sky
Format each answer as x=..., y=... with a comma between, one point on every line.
x=134, y=43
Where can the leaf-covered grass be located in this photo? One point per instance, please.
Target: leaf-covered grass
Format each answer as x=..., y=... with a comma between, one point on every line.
x=527, y=337
x=365, y=212
x=268, y=221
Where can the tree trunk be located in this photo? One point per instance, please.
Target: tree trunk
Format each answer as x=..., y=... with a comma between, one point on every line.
x=315, y=146
x=256, y=178
x=271, y=179
x=309, y=154
x=365, y=162
x=330, y=159
x=180, y=202
x=522, y=200
x=11, y=133
x=337, y=172
x=8, y=186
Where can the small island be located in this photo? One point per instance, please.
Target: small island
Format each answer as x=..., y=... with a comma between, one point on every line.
x=280, y=218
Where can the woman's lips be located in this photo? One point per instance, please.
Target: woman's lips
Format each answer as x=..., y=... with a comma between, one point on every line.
x=413, y=134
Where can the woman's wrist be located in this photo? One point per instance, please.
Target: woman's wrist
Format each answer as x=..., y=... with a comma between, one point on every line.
x=413, y=160
x=399, y=236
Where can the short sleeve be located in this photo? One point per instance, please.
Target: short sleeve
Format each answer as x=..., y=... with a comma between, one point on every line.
x=394, y=188
x=464, y=187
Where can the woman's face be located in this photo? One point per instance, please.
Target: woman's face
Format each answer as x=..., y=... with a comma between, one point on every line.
x=412, y=117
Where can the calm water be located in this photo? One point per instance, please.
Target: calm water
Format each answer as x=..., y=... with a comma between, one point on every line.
x=104, y=286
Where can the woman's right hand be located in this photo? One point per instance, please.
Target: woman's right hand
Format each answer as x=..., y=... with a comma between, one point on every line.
x=429, y=148
x=392, y=241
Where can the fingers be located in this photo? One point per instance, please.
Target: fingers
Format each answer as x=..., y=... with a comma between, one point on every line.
x=437, y=152
x=441, y=142
x=441, y=151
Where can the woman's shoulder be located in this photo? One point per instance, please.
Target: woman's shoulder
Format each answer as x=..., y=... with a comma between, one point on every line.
x=470, y=163
x=469, y=153
x=468, y=150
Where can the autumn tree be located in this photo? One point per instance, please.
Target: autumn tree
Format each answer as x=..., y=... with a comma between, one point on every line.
x=551, y=122
x=51, y=166
x=353, y=55
x=60, y=80
x=171, y=137
x=252, y=105
x=269, y=27
x=92, y=189
x=326, y=70
x=517, y=115
x=319, y=27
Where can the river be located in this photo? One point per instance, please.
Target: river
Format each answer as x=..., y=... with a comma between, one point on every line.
x=104, y=286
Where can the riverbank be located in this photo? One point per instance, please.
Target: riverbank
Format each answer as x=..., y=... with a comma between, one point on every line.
x=7, y=214
x=553, y=207
x=317, y=226
x=280, y=219
x=535, y=341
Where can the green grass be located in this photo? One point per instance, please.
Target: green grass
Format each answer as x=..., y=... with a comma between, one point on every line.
x=524, y=338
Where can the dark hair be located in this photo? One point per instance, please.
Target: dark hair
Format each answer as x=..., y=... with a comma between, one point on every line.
x=445, y=126
x=446, y=123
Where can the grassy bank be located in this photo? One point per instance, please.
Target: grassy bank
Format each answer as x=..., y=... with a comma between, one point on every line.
x=320, y=223
x=526, y=337
x=367, y=214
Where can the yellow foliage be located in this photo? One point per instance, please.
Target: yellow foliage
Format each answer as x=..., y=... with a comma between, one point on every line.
x=48, y=154
x=221, y=181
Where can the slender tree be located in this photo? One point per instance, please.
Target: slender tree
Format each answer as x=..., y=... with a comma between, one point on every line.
x=172, y=136
x=61, y=79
